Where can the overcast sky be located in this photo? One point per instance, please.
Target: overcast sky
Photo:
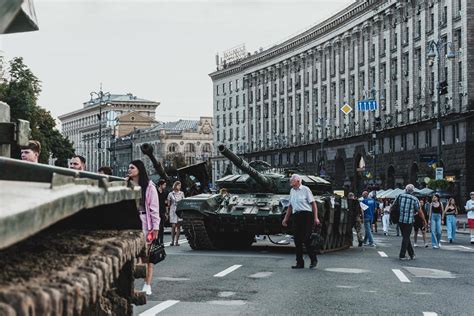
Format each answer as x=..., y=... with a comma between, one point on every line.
x=157, y=50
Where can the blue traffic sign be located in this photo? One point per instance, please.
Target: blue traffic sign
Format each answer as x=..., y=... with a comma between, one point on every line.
x=367, y=105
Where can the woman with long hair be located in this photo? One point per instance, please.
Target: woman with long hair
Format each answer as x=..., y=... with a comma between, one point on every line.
x=148, y=210
x=436, y=211
x=174, y=197
x=451, y=211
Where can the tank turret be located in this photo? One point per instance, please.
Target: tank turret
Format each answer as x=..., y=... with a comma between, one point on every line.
x=147, y=149
x=245, y=167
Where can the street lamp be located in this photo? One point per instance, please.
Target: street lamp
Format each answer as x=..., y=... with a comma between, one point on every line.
x=101, y=97
x=435, y=52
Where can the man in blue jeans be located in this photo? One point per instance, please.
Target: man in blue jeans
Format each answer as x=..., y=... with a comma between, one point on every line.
x=368, y=205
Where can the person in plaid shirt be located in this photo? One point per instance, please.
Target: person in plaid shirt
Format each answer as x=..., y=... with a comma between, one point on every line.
x=408, y=205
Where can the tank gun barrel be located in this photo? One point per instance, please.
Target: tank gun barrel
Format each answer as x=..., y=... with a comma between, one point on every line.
x=147, y=149
x=245, y=167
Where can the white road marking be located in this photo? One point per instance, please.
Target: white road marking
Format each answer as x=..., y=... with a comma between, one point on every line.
x=430, y=314
x=346, y=270
x=159, y=308
x=382, y=254
x=225, y=294
x=464, y=247
x=227, y=271
x=401, y=276
x=430, y=273
x=173, y=279
x=347, y=286
x=260, y=275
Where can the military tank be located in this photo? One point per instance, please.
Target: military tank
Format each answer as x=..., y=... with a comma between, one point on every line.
x=256, y=204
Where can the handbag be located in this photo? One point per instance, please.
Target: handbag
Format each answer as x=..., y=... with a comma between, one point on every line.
x=157, y=252
x=316, y=239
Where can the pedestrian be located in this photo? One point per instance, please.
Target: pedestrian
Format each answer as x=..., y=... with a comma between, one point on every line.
x=105, y=170
x=420, y=224
x=470, y=215
x=149, y=212
x=305, y=214
x=377, y=212
x=162, y=202
x=450, y=212
x=408, y=205
x=386, y=217
x=77, y=162
x=31, y=151
x=356, y=216
x=368, y=205
x=174, y=197
x=436, y=211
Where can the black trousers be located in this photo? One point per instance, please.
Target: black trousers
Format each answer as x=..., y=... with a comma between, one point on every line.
x=161, y=229
x=303, y=227
x=406, y=242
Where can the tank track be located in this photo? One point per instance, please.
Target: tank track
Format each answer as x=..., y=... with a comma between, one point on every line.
x=196, y=232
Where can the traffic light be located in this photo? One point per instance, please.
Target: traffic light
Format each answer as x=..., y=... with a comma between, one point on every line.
x=443, y=87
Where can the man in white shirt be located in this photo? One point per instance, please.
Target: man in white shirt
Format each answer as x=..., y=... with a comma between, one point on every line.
x=305, y=210
x=470, y=215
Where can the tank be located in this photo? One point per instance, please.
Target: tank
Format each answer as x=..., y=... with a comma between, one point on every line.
x=256, y=204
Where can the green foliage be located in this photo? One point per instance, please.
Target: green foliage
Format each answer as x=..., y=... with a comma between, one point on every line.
x=20, y=91
x=438, y=184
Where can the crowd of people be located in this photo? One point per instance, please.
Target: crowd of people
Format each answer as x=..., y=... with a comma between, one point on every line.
x=419, y=214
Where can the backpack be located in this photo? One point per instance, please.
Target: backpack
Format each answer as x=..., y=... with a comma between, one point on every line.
x=395, y=212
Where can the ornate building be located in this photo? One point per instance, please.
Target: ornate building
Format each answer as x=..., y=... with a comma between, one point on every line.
x=283, y=104
x=121, y=114
x=190, y=139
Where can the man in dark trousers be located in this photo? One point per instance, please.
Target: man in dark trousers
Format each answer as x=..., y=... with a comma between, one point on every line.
x=162, y=194
x=356, y=216
x=408, y=205
x=305, y=215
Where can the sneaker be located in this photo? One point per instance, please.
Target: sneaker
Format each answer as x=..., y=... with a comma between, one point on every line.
x=435, y=247
x=439, y=245
x=412, y=257
x=313, y=264
x=147, y=289
x=426, y=245
x=415, y=245
x=372, y=245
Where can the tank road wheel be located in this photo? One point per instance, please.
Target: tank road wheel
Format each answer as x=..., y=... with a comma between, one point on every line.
x=196, y=232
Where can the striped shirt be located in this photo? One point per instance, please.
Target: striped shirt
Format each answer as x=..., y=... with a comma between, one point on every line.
x=409, y=204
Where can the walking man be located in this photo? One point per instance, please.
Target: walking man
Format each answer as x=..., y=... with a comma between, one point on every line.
x=368, y=205
x=408, y=205
x=305, y=210
x=357, y=217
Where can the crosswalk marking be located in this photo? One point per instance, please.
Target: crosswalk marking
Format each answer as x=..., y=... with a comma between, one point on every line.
x=430, y=314
x=382, y=254
x=401, y=276
x=159, y=308
x=227, y=271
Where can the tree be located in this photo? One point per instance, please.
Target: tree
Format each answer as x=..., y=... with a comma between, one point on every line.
x=20, y=91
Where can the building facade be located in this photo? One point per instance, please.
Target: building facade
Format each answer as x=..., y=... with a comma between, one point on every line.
x=283, y=104
x=192, y=140
x=120, y=115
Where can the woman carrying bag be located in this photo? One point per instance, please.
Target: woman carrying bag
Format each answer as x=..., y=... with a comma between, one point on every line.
x=149, y=212
x=451, y=211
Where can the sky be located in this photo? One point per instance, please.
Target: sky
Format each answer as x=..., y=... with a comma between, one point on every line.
x=160, y=50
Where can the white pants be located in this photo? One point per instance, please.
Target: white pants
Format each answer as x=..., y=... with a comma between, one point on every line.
x=385, y=222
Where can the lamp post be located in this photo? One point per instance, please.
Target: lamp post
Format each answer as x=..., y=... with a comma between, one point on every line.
x=100, y=96
x=435, y=52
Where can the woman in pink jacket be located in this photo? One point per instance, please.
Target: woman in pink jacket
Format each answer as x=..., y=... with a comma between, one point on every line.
x=148, y=209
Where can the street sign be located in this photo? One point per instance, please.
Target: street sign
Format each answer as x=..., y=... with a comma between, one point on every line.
x=427, y=157
x=346, y=109
x=367, y=105
x=439, y=174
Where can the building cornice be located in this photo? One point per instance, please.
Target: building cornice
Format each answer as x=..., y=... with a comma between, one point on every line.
x=339, y=19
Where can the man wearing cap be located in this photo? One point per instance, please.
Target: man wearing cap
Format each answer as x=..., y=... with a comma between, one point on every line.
x=470, y=215
x=305, y=214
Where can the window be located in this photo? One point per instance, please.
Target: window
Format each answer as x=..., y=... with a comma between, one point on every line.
x=189, y=148
x=428, y=138
x=230, y=86
x=236, y=84
x=217, y=89
x=391, y=144
x=172, y=148
x=217, y=120
x=403, y=144
x=455, y=133
x=460, y=72
x=415, y=140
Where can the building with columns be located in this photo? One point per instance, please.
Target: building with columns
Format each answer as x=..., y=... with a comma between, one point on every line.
x=191, y=139
x=121, y=114
x=283, y=104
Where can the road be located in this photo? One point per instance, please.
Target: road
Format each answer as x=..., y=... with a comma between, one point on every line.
x=259, y=281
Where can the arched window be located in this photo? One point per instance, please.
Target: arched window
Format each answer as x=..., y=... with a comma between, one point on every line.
x=172, y=148
x=206, y=148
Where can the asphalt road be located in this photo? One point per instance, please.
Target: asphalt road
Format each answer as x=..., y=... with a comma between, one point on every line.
x=259, y=281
